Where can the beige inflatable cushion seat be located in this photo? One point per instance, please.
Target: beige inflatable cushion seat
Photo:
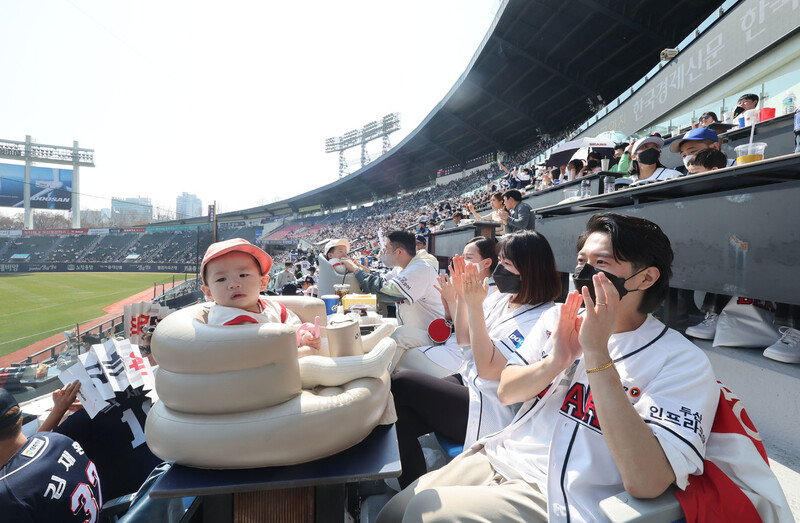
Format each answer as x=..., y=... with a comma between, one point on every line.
x=382, y=331
x=331, y=372
x=207, y=369
x=305, y=307
x=307, y=427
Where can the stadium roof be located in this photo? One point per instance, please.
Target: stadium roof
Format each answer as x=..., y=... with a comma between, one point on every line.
x=544, y=66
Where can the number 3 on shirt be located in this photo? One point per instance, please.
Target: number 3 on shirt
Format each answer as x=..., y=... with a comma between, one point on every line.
x=82, y=496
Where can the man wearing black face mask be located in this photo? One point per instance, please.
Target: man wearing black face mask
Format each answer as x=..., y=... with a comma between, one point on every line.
x=603, y=392
x=646, y=151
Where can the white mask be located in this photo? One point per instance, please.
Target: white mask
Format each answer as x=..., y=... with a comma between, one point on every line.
x=476, y=264
x=386, y=259
x=687, y=159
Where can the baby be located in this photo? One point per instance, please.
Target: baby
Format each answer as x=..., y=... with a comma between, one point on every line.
x=234, y=272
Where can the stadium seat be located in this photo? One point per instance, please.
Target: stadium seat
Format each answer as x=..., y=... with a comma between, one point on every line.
x=329, y=277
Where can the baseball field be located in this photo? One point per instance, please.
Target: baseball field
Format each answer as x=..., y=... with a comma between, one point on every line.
x=35, y=306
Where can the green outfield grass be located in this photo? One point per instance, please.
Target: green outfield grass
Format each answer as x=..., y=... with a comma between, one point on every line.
x=36, y=306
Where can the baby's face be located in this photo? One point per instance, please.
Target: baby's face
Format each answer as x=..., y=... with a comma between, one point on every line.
x=340, y=251
x=234, y=280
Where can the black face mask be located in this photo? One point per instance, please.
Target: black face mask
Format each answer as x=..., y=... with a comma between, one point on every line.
x=583, y=278
x=506, y=280
x=648, y=156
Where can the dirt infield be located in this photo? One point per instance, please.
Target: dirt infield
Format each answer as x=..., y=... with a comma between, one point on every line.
x=115, y=309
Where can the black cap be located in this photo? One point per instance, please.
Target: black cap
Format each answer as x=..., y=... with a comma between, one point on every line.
x=7, y=402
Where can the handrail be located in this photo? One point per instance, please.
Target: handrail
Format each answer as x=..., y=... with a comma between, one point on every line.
x=59, y=347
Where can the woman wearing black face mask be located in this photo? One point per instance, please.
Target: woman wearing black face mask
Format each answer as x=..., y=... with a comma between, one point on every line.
x=464, y=407
x=647, y=152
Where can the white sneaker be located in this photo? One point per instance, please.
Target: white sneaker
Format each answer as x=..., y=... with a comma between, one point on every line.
x=706, y=329
x=786, y=349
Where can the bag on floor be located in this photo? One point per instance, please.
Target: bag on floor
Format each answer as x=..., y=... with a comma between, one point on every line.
x=746, y=322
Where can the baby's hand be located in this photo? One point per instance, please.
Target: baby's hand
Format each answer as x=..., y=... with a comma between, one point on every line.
x=308, y=334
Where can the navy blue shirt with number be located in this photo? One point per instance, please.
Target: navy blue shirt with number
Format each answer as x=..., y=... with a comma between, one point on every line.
x=115, y=441
x=50, y=479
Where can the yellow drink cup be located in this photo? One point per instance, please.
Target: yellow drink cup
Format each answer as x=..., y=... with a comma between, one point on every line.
x=749, y=152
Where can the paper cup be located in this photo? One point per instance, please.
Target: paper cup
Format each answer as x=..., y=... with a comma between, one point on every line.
x=331, y=301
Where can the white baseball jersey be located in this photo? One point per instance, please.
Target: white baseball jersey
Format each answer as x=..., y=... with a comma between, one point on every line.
x=556, y=440
x=450, y=355
x=507, y=330
x=271, y=312
x=660, y=174
x=421, y=303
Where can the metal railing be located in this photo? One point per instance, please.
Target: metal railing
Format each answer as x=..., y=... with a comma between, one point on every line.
x=102, y=331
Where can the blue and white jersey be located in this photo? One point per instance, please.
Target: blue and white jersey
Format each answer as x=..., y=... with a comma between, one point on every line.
x=50, y=479
x=115, y=441
x=508, y=329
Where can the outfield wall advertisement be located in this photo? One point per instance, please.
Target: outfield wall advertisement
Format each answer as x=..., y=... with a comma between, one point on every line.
x=186, y=268
x=51, y=188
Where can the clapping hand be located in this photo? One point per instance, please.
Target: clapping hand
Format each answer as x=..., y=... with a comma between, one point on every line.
x=446, y=288
x=566, y=344
x=601, y=317
x=458, y=268
x=475, y=289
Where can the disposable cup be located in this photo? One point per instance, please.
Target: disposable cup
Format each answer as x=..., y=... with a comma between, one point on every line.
x=749, y=152
x=570, y=193
x=331, y=301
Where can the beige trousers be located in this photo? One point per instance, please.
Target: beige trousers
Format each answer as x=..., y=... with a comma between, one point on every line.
x=407, y=338
x=466, y=490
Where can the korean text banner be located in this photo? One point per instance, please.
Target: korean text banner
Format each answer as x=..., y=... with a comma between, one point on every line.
x=51, y=188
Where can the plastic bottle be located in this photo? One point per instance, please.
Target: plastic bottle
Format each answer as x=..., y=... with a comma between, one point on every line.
x=608, y=184
x=586, y=189
x=789, y=103
x=797, y=130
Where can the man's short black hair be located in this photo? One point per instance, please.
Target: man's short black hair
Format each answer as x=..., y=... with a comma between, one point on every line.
x=513, y=194
x=710, y=158
x=404, y=239
x=594, y=155
x=640, y=242
x=622, y=146
x=459, y=214
x=749, y=96
x=288, y=264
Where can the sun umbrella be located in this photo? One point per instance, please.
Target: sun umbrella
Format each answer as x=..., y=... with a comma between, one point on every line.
x=563, y=154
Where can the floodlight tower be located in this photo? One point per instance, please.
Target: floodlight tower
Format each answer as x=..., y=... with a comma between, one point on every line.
x=371, y=131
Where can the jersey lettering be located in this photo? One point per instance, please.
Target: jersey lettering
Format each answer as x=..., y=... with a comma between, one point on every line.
x=67, y=460
x=77, y=447
x=579, y=405
x=82, y=499
x=136, y=429
x=55, y=489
